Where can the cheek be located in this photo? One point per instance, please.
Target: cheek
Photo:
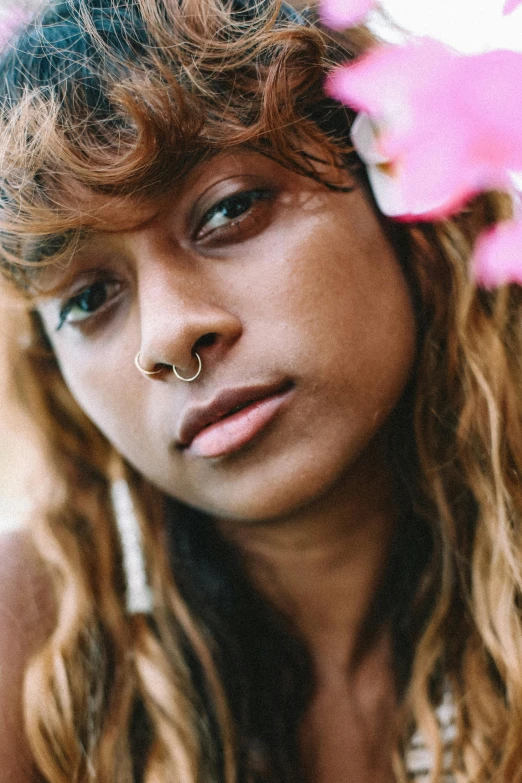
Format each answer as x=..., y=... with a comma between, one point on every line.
x=341, y=298
x=103, y=384
x=380, y=339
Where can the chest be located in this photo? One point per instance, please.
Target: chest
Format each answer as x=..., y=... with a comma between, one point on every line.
x=344, y=741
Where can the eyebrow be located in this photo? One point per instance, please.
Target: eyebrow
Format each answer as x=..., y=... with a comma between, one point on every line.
x=42, y=253
x=39, y=249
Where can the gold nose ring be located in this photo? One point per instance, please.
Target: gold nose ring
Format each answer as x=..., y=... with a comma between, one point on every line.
x=174, y=370
x=140, y=368
x=197, y=374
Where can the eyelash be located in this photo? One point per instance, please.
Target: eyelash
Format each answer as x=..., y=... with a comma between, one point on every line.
x=82, y=298
x=247, y=199
x=244, y=200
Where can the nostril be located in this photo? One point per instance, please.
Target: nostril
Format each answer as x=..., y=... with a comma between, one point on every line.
x=205, y=341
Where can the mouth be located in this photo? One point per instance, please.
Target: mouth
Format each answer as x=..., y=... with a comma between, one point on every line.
x=231, y=420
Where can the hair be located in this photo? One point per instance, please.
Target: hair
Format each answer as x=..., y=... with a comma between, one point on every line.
x=122, y=98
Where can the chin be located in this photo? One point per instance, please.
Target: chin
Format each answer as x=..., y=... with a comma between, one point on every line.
x=276, y=492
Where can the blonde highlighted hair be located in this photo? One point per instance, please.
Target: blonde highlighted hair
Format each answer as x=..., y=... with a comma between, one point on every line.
x=120, y=99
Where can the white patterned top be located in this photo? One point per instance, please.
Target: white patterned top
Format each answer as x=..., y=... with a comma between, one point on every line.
x=419, y=759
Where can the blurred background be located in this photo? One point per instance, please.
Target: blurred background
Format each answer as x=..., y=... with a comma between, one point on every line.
x=470, y=27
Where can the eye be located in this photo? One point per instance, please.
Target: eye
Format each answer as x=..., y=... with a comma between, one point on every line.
x=230, y=211
x=88, y=302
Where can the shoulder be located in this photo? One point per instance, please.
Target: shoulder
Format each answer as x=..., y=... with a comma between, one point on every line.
x=26, y=605
x=26, y=618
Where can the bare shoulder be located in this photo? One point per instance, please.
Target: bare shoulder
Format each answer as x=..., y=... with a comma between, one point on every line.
x=26, y=617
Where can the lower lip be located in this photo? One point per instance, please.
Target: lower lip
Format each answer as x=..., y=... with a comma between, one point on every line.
x=232, y=433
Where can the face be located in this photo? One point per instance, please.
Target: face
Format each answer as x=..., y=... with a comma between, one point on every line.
x=294, y=302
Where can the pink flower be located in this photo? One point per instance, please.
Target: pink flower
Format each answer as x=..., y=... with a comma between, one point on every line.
x=510, y=6
x=340, y=14
x=10, y=21
x=446, y=125
x=497, y=258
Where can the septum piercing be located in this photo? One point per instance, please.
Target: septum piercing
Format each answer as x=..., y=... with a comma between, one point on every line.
x=174, y=370
x=196, y=375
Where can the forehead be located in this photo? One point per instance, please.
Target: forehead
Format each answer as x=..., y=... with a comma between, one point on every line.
x=96, y=211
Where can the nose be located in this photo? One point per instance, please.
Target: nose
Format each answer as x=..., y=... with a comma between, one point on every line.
x=181, y=319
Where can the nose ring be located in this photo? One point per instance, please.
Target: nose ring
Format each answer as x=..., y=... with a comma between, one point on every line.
x=140, y=368
x=174, y=370
x=197, y=374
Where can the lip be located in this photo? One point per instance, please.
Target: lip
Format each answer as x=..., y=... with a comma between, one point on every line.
x=216, y=429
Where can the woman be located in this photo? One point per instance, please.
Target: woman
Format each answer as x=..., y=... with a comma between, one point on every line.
x=316, y=414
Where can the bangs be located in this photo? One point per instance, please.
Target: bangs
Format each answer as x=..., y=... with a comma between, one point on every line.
x=124, y=99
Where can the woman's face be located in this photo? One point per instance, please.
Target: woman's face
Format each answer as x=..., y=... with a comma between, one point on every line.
x=294, y=301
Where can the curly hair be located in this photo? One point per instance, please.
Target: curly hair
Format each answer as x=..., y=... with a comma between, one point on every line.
x=121, y=98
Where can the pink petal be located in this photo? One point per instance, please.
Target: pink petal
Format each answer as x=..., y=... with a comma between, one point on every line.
x=450, y=123
x=497, y=258
x=510, y=6
x=340, y=14
x=10, y=22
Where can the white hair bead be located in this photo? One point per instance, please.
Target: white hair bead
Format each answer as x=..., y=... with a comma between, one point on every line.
x=139, y=593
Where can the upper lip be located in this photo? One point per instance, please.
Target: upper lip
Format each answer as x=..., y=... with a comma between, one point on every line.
x=197, y=417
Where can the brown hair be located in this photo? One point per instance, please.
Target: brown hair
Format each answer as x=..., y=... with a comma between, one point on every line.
x=120, y=99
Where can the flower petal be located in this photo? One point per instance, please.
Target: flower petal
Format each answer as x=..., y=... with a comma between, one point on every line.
x=497, y=258
x=510, y=6
x=10, y=21
x=449, y=124
x=340, y=14
x=386, y=187
x=364, y=134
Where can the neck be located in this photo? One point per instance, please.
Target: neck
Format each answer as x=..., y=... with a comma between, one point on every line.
x=322, y=566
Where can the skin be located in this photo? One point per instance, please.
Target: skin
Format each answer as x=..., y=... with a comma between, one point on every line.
x=27, y=617
x=300, y=286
